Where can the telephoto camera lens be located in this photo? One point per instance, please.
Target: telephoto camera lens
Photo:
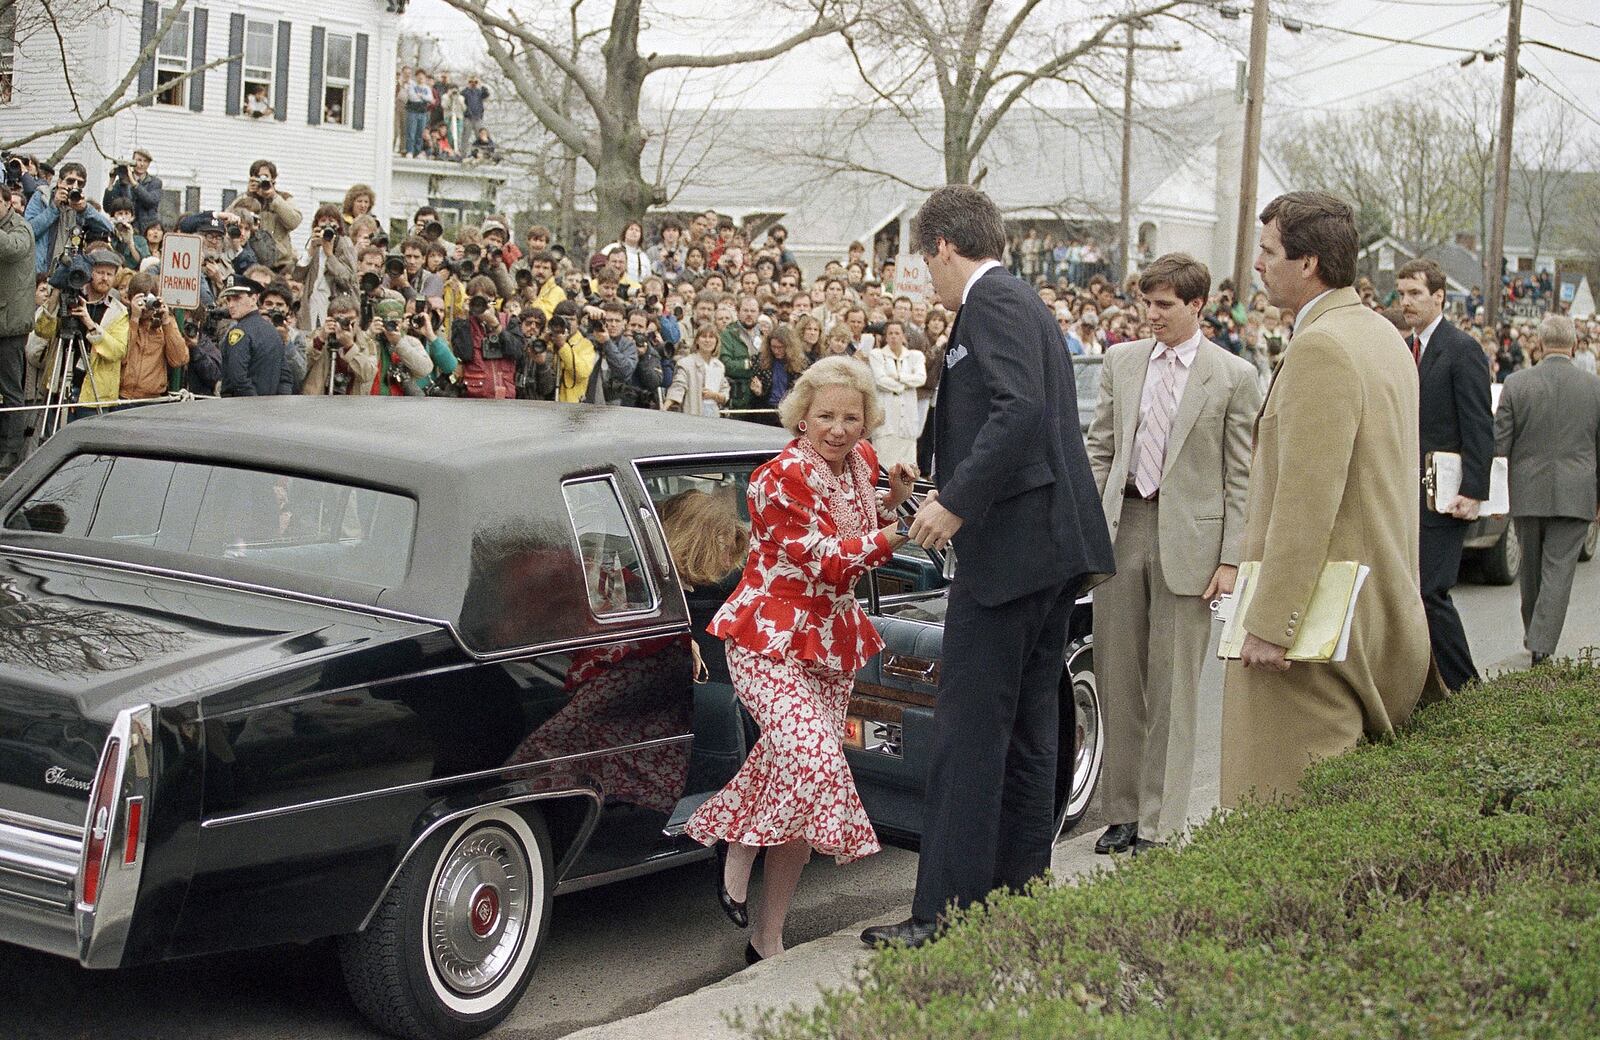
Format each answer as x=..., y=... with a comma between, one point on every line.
x=235, y=231
x=433, y=229
x=370, y=281
x=394, y=266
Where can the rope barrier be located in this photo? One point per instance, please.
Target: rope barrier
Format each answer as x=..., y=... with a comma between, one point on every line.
x=101, y=405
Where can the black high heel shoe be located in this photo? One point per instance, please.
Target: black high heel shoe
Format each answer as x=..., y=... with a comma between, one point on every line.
x=751, y=957
x=732, y=907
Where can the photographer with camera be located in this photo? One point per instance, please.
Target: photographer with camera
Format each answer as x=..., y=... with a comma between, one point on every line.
x=56, y=212
x=354, y=354
x=430, y=333
x=135, y=183
x=492, y=261
x=277, y=217
x=277, y=306
x=536, y=364
x=425, y=285
x=619, y=355
x=100, y=313
x=403, y=361
x=17, y=304
x=155, y=344
x=488, y=361
x=576, y=356
x=128, y=243
x=330, y=266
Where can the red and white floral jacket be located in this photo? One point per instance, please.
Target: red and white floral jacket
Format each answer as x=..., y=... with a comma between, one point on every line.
x=797, y=598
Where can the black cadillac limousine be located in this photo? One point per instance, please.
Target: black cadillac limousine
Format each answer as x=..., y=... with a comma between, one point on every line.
x=398, y=671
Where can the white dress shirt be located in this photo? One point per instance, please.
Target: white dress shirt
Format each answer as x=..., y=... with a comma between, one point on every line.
x=1186, y=352
x=981, y=270
x=1425, y=335
x=1300, y=317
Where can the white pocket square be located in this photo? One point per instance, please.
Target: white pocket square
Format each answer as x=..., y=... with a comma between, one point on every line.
x=955, y=357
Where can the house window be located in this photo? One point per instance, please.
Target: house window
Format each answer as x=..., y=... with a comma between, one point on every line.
x=337, y=75
x=8, y=50
x=260, y=53
x=172, y=60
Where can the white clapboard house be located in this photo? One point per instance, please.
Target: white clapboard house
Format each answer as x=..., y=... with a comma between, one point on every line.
x=311, y=87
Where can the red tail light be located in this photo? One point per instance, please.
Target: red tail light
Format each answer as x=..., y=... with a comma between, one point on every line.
x=102, y=813
x=130, y=848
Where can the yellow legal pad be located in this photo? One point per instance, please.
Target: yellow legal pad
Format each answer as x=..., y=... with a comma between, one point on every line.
x=1324, y=631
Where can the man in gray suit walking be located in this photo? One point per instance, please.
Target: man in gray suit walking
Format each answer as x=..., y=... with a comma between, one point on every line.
x=1548, y=426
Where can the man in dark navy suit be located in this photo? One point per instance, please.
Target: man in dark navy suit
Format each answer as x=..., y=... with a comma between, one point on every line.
x=1453, y=375
x=1017, y=501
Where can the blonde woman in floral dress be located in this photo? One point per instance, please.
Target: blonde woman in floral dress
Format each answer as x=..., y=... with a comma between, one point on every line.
x=796, y=637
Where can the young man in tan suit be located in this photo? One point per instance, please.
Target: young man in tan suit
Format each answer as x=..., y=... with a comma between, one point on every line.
x=1170, y=451
x=1334, y=477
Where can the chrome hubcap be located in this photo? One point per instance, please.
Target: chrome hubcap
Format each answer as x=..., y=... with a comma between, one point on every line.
x=1088, y=748
x=478, y=910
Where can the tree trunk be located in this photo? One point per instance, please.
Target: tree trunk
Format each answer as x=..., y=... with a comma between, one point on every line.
x=621, y=193
x=567, y=201
x=957, y=146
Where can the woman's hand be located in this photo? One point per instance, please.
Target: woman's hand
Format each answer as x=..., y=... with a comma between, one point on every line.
x=902, y=481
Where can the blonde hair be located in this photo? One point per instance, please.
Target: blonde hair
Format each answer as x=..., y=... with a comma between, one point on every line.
x=705, y=536
x=831, y=371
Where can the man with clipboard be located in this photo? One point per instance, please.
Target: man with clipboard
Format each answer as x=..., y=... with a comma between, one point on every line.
x=1453, y=375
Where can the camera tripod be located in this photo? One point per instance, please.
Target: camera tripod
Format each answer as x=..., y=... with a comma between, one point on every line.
x=71, y=355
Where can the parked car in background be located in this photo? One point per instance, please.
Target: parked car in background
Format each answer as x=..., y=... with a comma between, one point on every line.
x=398, y=671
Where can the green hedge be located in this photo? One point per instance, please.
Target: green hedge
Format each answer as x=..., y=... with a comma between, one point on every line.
x=1444, y=884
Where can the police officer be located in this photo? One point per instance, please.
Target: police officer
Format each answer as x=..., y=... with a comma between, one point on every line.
x=253, y=363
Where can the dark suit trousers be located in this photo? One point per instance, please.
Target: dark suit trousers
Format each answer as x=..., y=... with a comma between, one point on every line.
x=989, y=815
x=1440, y=559
x=13, y=425
x=1550, y=549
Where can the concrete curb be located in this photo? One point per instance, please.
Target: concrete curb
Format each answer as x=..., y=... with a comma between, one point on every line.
x=795, y=978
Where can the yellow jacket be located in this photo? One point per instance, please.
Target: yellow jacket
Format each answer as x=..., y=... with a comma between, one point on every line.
x=576, y=359
x=106, y=350
x=550, y=294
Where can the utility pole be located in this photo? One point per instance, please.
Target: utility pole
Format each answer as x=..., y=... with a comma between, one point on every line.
x=1244, y=234
x=1125, y=210
x=1494, y=251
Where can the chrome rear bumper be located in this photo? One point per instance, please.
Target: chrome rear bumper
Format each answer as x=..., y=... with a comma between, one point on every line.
x=38, y=868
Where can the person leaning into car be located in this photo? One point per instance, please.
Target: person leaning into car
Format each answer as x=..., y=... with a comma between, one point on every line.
x=1170, y=451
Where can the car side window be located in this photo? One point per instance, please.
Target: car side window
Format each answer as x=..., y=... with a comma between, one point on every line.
x=65, y=502
x=615, y=575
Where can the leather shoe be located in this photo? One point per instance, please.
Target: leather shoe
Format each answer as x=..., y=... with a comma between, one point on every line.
x=1142, y=844
x=736, y=910
x=1539, y=658
x=751, y=957
x=1119, y=837
x=910, y=932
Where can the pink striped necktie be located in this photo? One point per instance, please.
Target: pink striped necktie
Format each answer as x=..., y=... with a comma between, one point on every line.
x=1150, y=444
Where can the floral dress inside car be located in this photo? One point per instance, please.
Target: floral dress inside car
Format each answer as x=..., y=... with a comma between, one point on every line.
x=796, y=637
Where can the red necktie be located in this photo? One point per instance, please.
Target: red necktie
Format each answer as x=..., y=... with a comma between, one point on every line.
x=1416, y=350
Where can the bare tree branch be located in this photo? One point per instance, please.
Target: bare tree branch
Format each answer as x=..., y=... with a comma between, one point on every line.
x=479, y=12
x=823, y=26
x=103, y=113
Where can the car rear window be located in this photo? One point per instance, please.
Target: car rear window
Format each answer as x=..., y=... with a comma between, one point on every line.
x=292, y=523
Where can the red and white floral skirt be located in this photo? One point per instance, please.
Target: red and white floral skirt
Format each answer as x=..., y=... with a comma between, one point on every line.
x=795, y=784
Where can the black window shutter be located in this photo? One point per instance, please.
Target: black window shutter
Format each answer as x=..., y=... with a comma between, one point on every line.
x=314, y=106
x=197, y=58
x=280, y=104
x=236, y=66
x=358, y=86
x=191, y=199
x=149, y=22
x=228, y=195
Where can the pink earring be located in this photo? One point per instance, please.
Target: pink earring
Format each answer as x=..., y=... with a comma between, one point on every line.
x=801, y=425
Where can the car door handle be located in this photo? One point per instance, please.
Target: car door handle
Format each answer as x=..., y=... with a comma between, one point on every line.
x=914, y=669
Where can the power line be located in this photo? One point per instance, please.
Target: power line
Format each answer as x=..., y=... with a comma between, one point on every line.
x=1376, y=50
x=1563, y=50
x=1568, y=101
x=1392, y=41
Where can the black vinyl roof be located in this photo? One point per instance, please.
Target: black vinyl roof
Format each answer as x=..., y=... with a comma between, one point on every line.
x=330, y=433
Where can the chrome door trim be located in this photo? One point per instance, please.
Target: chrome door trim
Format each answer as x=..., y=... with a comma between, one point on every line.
x=415, y=785
x=649, y=866
x=39, y=823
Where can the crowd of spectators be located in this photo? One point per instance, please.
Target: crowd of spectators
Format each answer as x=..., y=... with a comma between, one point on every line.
x=438, y=119
x=697, y=316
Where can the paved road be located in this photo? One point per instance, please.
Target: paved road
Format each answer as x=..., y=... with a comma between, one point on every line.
x=612, y=952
